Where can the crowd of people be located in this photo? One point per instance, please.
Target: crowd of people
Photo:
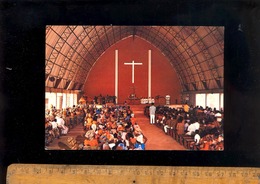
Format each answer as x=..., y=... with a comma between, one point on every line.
x=105, y=128
x=204, y=126
x=59, y=122
x=115, y=127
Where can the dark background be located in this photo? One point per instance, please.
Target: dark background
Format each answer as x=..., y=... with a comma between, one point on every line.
x=22, y=36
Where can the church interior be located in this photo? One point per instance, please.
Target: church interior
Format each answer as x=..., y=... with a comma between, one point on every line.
x=100, y=82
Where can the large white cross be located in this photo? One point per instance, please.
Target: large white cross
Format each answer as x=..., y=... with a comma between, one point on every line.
x=133, y=69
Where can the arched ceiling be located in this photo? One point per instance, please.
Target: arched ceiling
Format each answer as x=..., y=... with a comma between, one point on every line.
x=195, y=52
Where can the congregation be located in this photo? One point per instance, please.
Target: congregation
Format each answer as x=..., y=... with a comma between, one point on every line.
x=116, y=128
x=196, y=128
x=105, y=127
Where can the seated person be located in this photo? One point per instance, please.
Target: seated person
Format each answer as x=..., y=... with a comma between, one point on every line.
x=192, y=127
x=167, y=124
x=140, y=139
x=197, y=137
x=90, y=140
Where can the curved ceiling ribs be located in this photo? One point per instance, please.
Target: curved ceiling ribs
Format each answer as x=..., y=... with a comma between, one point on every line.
x=195, y=52
x=189, y=59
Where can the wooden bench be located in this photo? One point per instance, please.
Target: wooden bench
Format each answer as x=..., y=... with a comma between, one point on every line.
x=174, y=134
x=187, y=143
x=186, y=140
x=179, y=138
x=194, y=147
x=171, y=132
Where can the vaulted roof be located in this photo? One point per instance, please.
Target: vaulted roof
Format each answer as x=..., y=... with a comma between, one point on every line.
x=195, y=52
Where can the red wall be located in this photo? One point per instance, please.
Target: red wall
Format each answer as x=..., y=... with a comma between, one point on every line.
x=101, y=79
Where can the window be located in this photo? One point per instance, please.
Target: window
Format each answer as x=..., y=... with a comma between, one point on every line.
x=213, y=100
x=200, y=100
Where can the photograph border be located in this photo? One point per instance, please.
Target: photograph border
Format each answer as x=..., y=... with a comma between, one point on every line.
x=23, y=41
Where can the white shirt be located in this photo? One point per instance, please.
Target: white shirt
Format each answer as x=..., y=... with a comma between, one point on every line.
x=127, y=143
x=139, y=138
x=60, y=121
x=218, y=115
x=197, y=138
x=123, y=135
x=152, y=110
x=186, y=125
x=197, y=125
x=191, y=129
x=54, y=124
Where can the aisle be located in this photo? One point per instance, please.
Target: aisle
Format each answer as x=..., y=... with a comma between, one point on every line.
x=157, y=139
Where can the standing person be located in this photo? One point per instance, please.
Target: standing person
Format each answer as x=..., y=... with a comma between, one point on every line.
x=152, y=110
x=186, y=108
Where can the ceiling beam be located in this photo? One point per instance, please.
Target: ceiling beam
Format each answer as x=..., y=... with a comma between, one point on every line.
x=194, y=86
x=205, y=85
x=57, y=82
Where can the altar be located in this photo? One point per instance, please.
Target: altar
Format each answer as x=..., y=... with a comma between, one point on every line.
x=175, y=106
x=146, y=100
x=133, y=98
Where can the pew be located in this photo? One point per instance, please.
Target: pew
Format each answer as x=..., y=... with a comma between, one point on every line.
x=186, y=140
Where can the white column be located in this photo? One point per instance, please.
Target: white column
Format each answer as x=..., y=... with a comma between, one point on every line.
x=116, y=75
x=71, y=100
x=52, y=99
x=206, y=100
x=56, y=100
x=222, y=100
x=75, y=99
x=149, y=72
x=64, y=100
